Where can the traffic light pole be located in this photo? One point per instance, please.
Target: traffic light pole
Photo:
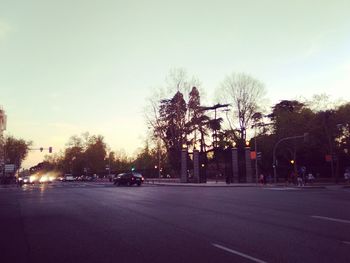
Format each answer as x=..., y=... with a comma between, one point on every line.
x=41, y=149
x=274, y=164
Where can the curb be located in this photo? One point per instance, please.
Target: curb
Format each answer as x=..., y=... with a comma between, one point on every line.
x=232, y=186
x=202, y=186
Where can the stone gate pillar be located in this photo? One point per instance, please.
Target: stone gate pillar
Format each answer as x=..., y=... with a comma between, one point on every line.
x=235, y=165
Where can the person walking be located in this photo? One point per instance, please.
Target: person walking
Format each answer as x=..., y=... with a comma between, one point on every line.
x=261, y=179
x=347, y=176
x=300, y=180
x=310, y=178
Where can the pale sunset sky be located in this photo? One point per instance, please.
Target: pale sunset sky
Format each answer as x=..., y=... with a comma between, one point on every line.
x=71, y=66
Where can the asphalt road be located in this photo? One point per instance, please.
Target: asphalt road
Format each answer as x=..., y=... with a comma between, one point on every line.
x=97, y=222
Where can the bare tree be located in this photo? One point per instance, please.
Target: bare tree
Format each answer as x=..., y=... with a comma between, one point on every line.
x=178, y=80
x=245, y=94
x=322, y=102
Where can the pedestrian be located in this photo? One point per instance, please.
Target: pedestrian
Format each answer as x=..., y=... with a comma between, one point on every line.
x=262, y=181
x=347, y=177
x=300, y=179
x=269, y=179
x=310, y=178
x=19, y=182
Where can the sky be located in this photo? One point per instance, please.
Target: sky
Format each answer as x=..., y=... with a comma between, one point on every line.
x=72, y=66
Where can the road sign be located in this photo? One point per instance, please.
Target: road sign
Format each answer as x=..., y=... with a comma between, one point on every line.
x=9, y=168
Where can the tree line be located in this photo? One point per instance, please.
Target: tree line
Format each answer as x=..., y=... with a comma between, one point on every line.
x=239, y=116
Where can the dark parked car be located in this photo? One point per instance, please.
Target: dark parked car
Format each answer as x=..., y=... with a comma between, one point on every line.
x=87, y=178
x=128, y=179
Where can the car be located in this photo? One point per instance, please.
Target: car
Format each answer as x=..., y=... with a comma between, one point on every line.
x=87, y=178
x=28, y=179
x=60, y=178
x=46, y=179
x=129, y=179
x=111, y=177
x=68, y=178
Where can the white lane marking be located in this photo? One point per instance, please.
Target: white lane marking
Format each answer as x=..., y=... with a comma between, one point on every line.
x=332, y=219
x=239, y=253
x=282, y=189
x=346, y=242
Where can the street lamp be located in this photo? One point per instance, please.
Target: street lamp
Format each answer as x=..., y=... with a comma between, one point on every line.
x=274, y=164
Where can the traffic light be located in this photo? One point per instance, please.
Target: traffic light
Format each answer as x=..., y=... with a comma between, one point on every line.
x=50, y=149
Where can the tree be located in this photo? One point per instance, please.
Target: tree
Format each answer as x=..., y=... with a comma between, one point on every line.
x=245, y=94
x=197, y=121
x=343, y=124
x=177, y=80
x=121, y=162
x=95, y=154
x=173, y=116
x=289, y=118
x=292, y=118
x=83, y=153
x=322, y=102
x=16, y=150
x=73, y=160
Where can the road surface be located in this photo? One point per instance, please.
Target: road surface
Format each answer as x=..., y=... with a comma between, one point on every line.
x=98, y=222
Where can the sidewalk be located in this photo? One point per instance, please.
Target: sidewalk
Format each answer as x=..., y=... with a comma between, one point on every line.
x=176, y=182
x=208, y=184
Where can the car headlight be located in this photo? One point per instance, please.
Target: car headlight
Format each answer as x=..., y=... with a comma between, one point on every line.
x=43, y=179
x=32, y=178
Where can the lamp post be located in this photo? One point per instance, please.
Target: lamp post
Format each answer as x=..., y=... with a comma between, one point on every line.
x=158, y=146
x=257, y=116
x=3, y=119
x=274, y=164
x=256, y=159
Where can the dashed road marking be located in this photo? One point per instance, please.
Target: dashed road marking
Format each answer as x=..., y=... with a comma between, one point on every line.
x=239, y=253
x=346, y=242
x=332, y=219
x=282, y=188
